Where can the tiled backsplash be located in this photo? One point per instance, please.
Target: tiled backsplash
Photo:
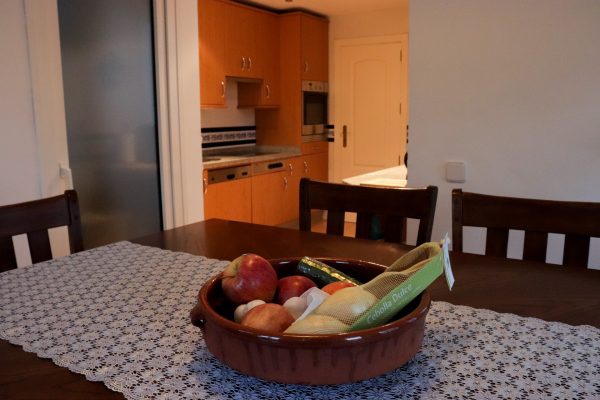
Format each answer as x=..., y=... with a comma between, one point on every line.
x=228, y=136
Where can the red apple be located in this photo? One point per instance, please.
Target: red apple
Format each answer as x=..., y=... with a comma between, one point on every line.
x=292, y=286
x=270, y=317
x=335, y=286
x=249, y=277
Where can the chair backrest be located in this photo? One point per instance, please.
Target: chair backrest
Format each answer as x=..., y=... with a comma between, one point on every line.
x=34, y=218
x=390, y=206
x=578, y=221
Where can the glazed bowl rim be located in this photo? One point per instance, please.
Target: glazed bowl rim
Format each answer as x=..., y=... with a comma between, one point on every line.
x=363, y=335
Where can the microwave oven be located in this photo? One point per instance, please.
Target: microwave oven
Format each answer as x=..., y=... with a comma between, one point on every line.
x=314, y=107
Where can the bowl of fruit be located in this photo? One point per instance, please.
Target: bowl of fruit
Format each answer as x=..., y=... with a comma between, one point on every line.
x=293, y=320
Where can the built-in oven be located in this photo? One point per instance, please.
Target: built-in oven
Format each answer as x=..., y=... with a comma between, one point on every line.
x=314, y=107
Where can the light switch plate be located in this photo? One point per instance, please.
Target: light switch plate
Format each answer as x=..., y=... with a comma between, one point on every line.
x=456, y=171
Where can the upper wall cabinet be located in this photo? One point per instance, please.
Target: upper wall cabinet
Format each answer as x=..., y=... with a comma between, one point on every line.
x=237, y=41
x=241, y=43
x=315, y=45
x=266, y=93
x=270, y=50
x=211, y=29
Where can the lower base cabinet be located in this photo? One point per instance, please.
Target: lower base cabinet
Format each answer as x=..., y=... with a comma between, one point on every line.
x=229, y=200
x=271, y=198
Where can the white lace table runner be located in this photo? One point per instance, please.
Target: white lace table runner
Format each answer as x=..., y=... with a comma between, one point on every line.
x=119, y=314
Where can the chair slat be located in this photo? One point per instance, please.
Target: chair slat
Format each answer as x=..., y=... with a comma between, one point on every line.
x=399, y=203
x=335, y=222
x=534, y=248
x=34, y=218
x=496, y=242
x=577, y=251
x=578, y=221
x=364, y=222
x=8, y=260
x=39, y=246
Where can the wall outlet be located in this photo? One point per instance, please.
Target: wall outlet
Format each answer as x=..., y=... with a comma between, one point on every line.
x=456, y=171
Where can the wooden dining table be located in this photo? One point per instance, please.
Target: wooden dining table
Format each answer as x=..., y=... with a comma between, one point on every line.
x=529, y=289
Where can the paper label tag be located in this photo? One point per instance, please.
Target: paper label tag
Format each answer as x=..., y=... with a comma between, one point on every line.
x=447, y=267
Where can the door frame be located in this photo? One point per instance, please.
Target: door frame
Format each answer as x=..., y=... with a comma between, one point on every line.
x=338, y=44
x=177, y=101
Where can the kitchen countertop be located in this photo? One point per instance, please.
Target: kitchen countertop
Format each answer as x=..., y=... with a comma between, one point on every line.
x=231, y=158
x=388, y=177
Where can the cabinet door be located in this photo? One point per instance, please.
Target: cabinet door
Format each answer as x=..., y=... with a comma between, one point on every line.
x=295, y=169
x=318, y=166
x=211, y=30
x=315, y=48
x=267, y=58
x=268, y=198
x=241, y=41
x=230, y=200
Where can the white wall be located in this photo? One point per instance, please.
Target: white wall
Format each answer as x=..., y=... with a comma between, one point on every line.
x=19, y=178
x=19, y=162
x=511, y=87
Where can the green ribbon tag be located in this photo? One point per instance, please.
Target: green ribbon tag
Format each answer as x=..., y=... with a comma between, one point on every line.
x=384, y=310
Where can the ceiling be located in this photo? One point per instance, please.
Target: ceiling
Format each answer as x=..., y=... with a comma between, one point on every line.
x=333, y=7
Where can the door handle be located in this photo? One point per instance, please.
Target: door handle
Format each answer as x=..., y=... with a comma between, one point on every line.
x=222, y=89
x=205, y=181
x=243, y=63
x=305, y=66
x=291, y=167
x=345, y=136
x=268, y=89
x=305, y=167
x=285, y=183
x=249, y=63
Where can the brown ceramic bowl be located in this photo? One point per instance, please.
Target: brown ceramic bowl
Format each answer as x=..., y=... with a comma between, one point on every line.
x=310, y=359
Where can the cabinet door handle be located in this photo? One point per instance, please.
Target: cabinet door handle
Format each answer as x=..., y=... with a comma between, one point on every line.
x=345, y=136
x=249, y=63
x=223, y=89
x=305, y=167
x=305, y=66
x=285, y=182
x=268, y=90
x=243, y=63
x=291, y=167
x=205, y=185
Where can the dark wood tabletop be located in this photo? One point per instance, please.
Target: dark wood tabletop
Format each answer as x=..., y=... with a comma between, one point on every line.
x=549, y=292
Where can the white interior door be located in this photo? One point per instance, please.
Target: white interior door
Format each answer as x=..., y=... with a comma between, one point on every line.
x=370, y=105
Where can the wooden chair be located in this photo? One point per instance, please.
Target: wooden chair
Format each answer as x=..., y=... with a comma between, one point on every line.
x=34, y=218
x=579, y=222
x=391, y=206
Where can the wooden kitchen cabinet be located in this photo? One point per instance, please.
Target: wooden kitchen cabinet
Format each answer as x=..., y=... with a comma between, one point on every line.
x=266, y=93
x=268, y=55
x=211, y=31
x=241, y=42
x=231, y=200
x=269, y=197
x=316, y=158
x=315, y=48
x=303, y=37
